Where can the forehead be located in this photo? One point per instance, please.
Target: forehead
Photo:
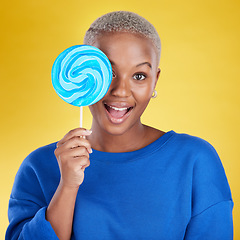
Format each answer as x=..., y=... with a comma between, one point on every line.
x=122, y=46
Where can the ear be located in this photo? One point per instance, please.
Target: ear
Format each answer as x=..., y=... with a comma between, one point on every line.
x=157, y=77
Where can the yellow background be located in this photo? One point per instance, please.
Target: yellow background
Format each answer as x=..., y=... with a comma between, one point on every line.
x=198, y=90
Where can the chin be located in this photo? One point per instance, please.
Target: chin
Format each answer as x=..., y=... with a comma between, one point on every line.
x=116, y=130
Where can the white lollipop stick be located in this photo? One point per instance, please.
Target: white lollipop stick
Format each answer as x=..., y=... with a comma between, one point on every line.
x=81, y=116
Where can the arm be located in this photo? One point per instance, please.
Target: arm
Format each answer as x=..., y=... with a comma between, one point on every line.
x=211, y=198
x=28, y=200
x=31, y=216
x=72, y=154
x=213, y=223
x=61, y=210
x=27, y=222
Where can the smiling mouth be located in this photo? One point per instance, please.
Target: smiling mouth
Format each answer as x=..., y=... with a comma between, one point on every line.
x=117, y=114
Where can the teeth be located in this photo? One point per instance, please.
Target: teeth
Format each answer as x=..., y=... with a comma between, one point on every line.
x=118, y=109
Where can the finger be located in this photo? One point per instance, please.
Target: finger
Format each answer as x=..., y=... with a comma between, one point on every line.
x=83, y=161
x=72, y=153
x=79, y=152
x=76, y=142
x=83, y=167
x=80, y=132
x=79, y=162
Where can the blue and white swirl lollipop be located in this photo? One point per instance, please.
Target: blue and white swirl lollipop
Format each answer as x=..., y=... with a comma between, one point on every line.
x=81, y=75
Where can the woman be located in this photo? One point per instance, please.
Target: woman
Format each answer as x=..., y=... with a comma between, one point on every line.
x=142, y=183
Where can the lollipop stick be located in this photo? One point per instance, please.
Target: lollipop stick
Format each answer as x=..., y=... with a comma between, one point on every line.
x=81, y=116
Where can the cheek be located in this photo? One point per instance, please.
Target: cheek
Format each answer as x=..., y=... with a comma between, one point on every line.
x=94, y=109
x=143, y=94
x=91, y=110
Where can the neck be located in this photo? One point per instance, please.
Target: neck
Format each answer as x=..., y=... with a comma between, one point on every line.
x=131, y=140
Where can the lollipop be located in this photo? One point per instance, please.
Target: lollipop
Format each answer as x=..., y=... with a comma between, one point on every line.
x=81, y=75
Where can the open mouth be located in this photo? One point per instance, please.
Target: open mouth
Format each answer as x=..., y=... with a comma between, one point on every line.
x=117, y=114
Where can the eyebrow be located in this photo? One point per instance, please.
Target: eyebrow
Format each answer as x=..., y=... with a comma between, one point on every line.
x=138, y=65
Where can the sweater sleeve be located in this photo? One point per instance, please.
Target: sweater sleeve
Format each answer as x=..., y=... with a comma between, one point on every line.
x=213, y=223
x=28, y=222
x=28, y=203
x=211, y=198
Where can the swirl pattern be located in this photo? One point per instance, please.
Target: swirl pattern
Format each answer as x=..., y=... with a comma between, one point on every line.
x=81, y=75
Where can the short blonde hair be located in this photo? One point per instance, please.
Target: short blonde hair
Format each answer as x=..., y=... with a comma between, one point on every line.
x=123, y=21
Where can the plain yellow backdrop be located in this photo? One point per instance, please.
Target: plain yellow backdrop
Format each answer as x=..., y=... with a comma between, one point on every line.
x=198, y=90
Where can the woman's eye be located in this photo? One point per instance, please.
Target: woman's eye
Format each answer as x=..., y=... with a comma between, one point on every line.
x=139, y=76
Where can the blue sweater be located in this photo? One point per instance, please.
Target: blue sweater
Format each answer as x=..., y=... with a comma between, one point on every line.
x=175, y=188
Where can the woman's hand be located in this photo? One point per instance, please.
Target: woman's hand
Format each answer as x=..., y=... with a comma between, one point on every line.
x=72, y=153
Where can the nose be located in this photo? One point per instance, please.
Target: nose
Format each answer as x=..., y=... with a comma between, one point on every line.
x=120, y=87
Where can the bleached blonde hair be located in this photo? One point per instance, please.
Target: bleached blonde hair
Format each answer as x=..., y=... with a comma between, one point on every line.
x=123, y=21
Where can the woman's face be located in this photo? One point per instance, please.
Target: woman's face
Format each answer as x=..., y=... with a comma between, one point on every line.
x=135, y=73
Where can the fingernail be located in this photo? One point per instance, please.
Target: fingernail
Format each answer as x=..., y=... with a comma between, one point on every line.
x=88, y=131
x=90, y=150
